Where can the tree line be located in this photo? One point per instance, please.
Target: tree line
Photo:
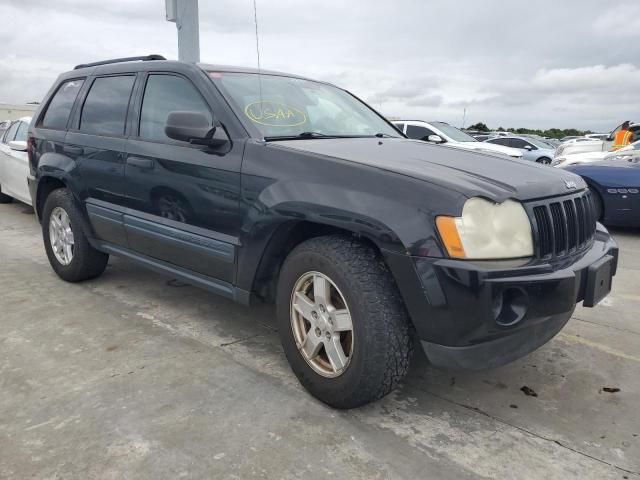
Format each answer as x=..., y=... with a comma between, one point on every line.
x=550, y=133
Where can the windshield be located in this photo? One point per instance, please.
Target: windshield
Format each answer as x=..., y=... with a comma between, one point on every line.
x=453, y=133
x=280, y=106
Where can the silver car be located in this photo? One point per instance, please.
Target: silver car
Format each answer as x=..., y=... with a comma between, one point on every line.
x=532, y=149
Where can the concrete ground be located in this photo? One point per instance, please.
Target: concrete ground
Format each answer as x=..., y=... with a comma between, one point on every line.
x=134, y=375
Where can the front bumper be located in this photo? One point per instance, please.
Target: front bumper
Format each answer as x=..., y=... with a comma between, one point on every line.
x=475, y=315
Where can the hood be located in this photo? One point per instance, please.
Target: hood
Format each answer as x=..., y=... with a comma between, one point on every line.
x=488, y=147
x=610, y=173
x=470, y=173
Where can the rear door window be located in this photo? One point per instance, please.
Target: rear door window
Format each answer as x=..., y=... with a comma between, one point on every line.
x=105, y=109
x=59, y=108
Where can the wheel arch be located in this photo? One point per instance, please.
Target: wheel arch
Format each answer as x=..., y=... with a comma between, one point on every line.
x=284, y=239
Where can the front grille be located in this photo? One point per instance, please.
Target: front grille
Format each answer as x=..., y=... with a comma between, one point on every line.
x=563, y=225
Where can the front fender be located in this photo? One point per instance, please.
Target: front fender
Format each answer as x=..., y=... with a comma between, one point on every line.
x=393, y=211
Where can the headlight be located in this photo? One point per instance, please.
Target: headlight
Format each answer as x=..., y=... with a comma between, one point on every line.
x=487, y=230
x=558, y=161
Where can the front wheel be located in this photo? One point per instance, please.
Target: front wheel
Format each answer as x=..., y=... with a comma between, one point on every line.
x=342, y=323
x=69, y=252
x=544, y=160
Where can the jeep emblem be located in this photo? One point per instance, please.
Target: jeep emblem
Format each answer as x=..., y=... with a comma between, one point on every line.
x=570, y=184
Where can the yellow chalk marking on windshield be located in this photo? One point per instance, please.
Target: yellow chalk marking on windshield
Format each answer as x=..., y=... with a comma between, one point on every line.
x=275, y=114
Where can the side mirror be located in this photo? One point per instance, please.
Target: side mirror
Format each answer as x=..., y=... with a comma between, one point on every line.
x=192, y=127
x=435, y=139
x=18, y=145
x=528, y=147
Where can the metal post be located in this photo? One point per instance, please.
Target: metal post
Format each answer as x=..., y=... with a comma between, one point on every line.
x=185, y=14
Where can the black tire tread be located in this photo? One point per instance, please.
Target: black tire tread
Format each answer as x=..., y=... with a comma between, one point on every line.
x=388, y=325
x=87, y=262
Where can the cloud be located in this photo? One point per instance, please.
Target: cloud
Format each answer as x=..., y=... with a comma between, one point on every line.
x=538, y=64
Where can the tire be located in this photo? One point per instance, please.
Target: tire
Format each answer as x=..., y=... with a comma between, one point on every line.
x=597, y=203
x=544, y=160
x=85, y=261
x=380, y=346
x=4, y=198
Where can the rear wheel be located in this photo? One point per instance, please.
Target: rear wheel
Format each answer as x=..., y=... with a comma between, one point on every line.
x=69, y=252
x=342, y=323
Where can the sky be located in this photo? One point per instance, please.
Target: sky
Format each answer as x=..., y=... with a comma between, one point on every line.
x=536, y=64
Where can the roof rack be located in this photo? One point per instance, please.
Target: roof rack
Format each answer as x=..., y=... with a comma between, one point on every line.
x=144, y=58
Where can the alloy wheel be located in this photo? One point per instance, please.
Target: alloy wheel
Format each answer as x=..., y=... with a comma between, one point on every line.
x=321, y=324
x=61, y=236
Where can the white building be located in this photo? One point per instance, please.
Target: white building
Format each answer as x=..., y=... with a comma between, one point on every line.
x=10, y=111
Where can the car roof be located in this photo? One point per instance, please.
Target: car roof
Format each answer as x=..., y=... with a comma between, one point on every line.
x=174, y=65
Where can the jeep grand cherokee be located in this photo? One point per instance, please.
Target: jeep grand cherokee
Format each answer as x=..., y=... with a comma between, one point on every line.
x=263, y=186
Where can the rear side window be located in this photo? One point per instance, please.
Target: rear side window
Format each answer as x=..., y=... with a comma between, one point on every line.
x=21, y=134
x=59, y=108
x=162, y=95
x=105, y=108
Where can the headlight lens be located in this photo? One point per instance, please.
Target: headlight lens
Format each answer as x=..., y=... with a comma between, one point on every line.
x=558, y=161
x=487, y=230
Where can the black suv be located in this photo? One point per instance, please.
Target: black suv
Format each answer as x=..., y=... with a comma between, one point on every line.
x=263, y=186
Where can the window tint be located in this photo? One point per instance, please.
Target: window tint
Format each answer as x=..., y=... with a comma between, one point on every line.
x=164, y=94
x=59, y=108
x=21, y=135
x=105, y=109
x=399, y=126
x=11, y=133
x=517, y=143
x=418, y=133
x=500, y=141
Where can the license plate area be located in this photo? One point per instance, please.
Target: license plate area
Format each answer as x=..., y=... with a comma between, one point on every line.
x=598, y=283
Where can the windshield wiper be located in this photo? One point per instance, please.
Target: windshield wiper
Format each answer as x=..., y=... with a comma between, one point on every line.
x=308, y=136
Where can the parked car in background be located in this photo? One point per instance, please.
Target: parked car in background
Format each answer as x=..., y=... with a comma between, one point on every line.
x=579, y=145
x=597, y=136
x=481, y=137
x=447, y=245
x=593, y=157
x=443, y=133
x=531, y=149
x=615, y=184
x=14, y=162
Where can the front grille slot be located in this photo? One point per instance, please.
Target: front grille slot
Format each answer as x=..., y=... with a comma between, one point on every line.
x=564, y=225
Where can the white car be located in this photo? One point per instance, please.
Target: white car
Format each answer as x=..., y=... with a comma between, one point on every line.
x=627, y=152
x=590, y=144
x=14, y=162
x=441, y=132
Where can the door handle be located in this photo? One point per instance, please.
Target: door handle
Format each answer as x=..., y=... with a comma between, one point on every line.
x=73, y=150
x=140, y=162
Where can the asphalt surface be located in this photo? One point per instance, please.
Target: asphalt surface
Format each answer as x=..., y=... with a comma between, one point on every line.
x=135, y=375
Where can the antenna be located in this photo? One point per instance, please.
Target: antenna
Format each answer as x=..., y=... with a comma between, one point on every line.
x=255, y=19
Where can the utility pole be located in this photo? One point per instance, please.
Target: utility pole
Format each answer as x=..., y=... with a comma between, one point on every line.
x=464, y=117
x=185, y=15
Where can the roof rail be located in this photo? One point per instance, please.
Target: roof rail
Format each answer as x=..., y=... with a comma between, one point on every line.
x=144, y=58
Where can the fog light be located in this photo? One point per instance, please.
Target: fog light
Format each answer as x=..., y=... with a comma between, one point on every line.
x=510, y=306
